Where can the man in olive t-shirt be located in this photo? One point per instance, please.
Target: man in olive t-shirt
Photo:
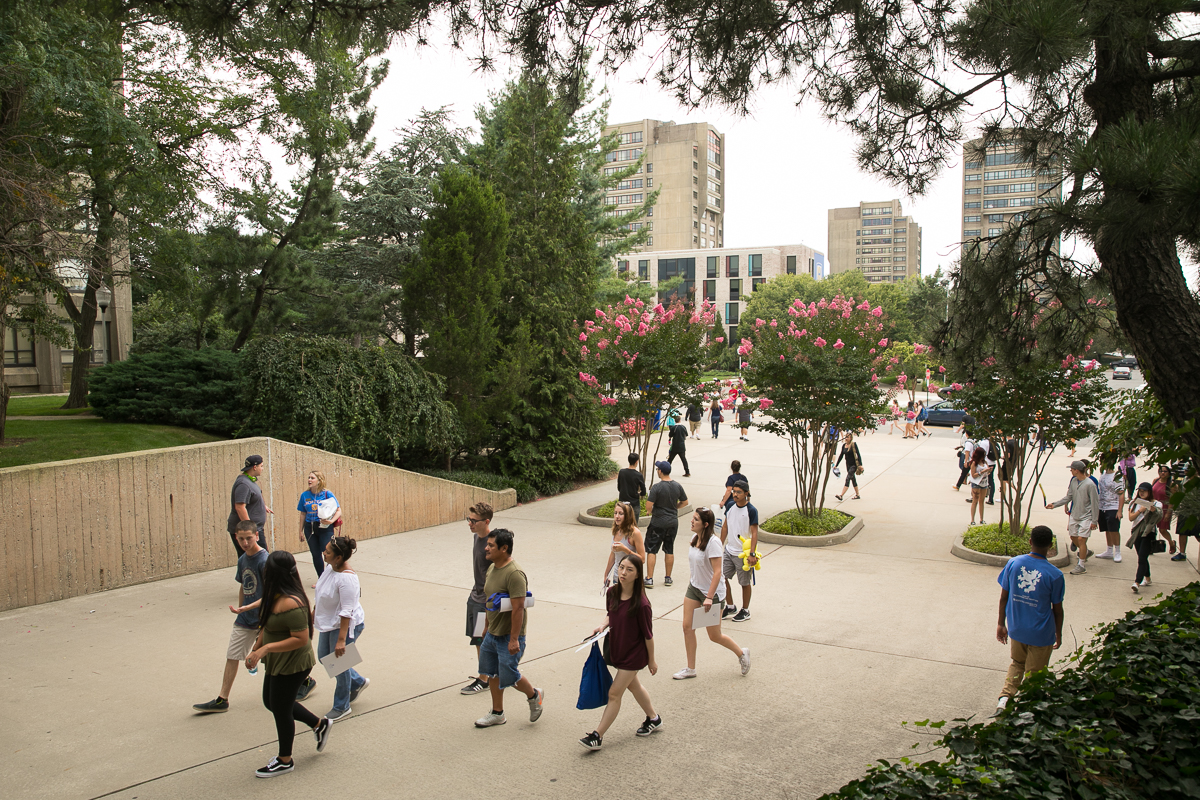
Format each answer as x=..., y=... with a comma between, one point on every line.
x=663, y=502
x=504, y=643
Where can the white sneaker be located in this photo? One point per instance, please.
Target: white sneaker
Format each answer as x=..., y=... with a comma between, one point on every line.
x=684, y=674
x=1135, y=588
x=490, y=719
x=744, y=660
x=1001, y=704
x=1117, y=556
x=1079, y=569
x=1105, y=554
x=1147, y=582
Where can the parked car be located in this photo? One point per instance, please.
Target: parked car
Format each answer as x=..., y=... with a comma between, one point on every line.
x=1122, y=374
x=1127, y=361
x=947, y=412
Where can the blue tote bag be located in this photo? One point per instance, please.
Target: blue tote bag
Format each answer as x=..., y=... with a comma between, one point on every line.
x=596, y=681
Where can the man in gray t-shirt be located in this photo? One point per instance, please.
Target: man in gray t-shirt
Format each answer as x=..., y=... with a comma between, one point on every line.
x=663, y=502
x=479, y=520
x=246, y=502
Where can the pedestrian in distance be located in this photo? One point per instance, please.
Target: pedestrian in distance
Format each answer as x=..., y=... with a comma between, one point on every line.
x=245, y=624
x=1084, y=513
x=631, y=486
x=979, y=477
x=922, y=415
x=741, y=525
x=854, y=465
x=1144, y=515
x=1128, y=468
x=339, y=619
x=989, y=461
x=479, y=520
x=1110, y=490
x=630, y=623
x=1031, y=612
x=705, y=587
x=626, y=542
x=735, y=475
x=321, y=515
x=1162, y=493
x=896, y=414
x=1187, y=522
x=910, y=421
x=679, y=437
x=504, y=643
x=285, y=649
x=695, y=415
x=246, y=502
x=715, y=417
x=663, y=502
x=965, y=451
x=745, y=415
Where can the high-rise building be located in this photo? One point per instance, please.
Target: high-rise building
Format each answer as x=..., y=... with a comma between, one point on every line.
x=686, y=164
x=726, y=276
x=1000, y=186
x=876, y=239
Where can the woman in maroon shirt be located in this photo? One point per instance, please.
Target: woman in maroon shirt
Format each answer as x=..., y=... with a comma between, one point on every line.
x=631, y=649
x=1162, y=493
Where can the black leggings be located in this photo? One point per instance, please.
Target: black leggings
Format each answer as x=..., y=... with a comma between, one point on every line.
x=1144, y=547
x=850, y=478
x=279, y=696
x=682, y=457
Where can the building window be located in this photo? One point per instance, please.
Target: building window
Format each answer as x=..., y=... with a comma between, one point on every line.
x=622, y=266
x=704, y=241
x=731, y=267
x=1001, y=159
x=695, y=224
x=755, y=264
x=649, y=183
x=971, y=205
x=18, y=347
x=735, y=289
x=970, y=177
x=899, y=249
x=713, y=200
x=733, y=317
x=712, y=267
x=993, y=231
x=991, y=218
x=650, y=242
x=974, y=232
x=975, y=218
x=631, y=184
x=973, y=165
x=631, y=138
x=791, y=265
x=710, y=291
x=900, y=239
x=900, y=230
x=650, y=211
x=644, y=269
x=695, y=196
x=713, y=172
x=756, y=282
x=695, y=181
x=649, y=168
x=713, y=186
x=973, y=190
x=899, y=258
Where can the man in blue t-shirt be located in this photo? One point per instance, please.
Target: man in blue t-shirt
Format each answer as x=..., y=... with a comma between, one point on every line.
x=1031, y=612
x=245, y=625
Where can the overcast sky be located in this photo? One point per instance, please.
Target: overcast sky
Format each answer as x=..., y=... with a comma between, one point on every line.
x=784, y=166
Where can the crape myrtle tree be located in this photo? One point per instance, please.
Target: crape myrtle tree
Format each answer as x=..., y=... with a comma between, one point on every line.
x=1058, y=400
x=816, y=369
x=641, y=360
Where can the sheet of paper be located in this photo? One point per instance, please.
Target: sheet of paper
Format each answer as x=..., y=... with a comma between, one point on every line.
x=336, y=666
x=702, y=620
x=588, y=641
x=480, y=623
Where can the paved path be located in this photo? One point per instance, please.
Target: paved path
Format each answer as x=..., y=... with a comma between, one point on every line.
x=847, y=642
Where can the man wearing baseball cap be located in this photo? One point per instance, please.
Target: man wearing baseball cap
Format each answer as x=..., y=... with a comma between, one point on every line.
x=663, y=502
x=1084, y=500
x=246, y=502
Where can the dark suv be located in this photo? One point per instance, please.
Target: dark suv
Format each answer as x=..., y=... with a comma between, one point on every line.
x=1127, y=361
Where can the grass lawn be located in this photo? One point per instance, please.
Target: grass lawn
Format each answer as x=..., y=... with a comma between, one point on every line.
x=790, y=523
x=46, y=406
x=37, y=441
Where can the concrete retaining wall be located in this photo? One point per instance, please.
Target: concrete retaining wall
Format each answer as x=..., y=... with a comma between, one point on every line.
x=75, y=527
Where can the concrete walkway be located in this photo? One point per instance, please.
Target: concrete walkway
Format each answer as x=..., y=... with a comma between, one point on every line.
x=847, y=642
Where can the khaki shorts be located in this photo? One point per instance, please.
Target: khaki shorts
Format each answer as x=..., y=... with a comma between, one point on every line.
x=241, y=642
x=1079, y=529
x=731, y=567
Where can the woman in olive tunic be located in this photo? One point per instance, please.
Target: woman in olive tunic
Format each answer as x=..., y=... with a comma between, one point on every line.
x=285, y=647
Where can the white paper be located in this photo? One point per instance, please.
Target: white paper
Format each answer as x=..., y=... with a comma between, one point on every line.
x=703, y=620
x=480, y=623
x=336, y=666
x=588, y=641
x=506, y=603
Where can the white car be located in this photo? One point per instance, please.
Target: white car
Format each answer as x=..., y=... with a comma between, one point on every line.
x=1122, y=374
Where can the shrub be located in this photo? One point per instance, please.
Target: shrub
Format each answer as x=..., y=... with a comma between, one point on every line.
x=486, y=480
x=1119, y=723
x=793, y=523
x=992, y=539
x=201, y=389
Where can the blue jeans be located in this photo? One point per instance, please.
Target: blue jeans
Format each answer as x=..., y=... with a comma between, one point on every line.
x=317, y=538
x=496, y=661
x=716, y=428
x=348, y=680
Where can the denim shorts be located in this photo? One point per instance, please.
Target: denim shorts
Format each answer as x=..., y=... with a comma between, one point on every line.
x=496, y=661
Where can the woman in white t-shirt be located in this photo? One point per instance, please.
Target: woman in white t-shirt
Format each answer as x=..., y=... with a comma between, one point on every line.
x=705, y=587
x=338, y=617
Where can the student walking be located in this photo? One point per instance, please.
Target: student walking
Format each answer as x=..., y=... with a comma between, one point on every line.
x=285, y=649
x=979, y=478
x=715, y=417
x=745, y=414
x=626, y=541
x=895, y=414
x=910, y=421
x=679, y=437
x=922, y=415
x=245, y=624
x=1189, y=509
x=1144, y=514
x=695, y=415
x=663, y=503
x=504, y=643
x=631, y=486
x=630, y=623
x=1110, y=489
x=1084, y=513
x=741, y=524
x=1031, y=612
x=705, y=586
x=854, y=465
x=321, y=515
x=479, y=520
x=246, y=501
x=1162, y=493
x=339, y=620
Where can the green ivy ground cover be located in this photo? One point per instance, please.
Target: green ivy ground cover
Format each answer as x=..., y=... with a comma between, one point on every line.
x=608, y=509
x=992, y=539
x=1120, y=719
x=792, y=523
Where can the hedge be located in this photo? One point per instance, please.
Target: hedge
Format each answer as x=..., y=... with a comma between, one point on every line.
x=1119, y=722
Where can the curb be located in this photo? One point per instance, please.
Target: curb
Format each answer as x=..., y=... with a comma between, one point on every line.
x=840, y=537
x=586, y=517
x=967, y=554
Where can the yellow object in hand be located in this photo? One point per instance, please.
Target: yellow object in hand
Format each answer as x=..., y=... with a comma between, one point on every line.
x=746, y=553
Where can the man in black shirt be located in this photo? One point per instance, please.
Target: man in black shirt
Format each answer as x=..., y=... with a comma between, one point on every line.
x=694, y=415
x=679, y=435
x=631, y=486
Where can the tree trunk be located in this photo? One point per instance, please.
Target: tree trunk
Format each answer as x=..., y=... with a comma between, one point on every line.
x=4, y=388
x=84, y=321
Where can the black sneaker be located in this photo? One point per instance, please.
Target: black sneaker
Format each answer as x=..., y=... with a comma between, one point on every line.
x=648, y=583
x=212, y=706
x=742, y=615
x=729, y=611
x=322, y=733
x=305, y=689
x=474, y=687
x=667, y=581
x=592, y=741
x=1074, y=547
x=275, y=767
x=650, y=726
x=354, y=693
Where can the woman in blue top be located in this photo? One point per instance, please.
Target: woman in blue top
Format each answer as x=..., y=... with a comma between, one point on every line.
x=315, y=531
